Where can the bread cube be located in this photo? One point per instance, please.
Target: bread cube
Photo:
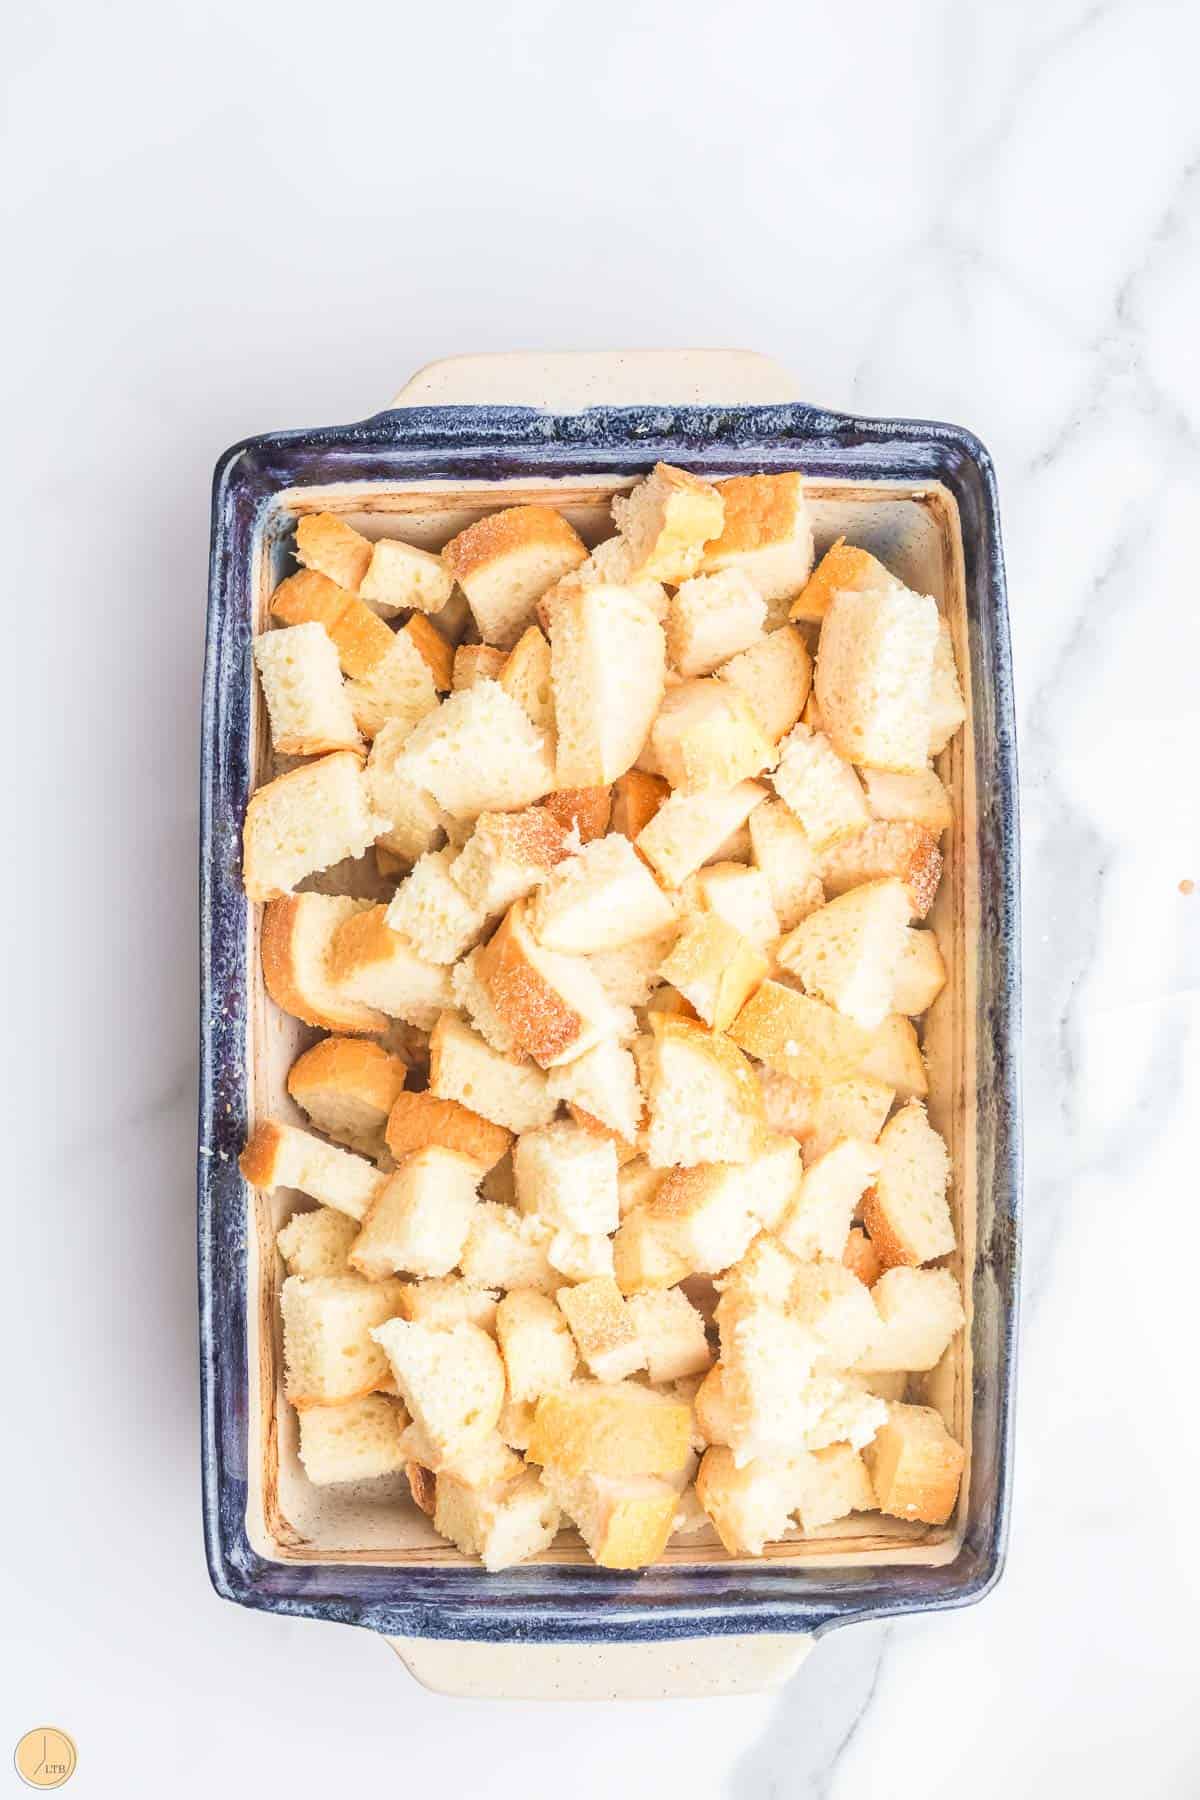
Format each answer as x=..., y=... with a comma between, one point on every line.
x=711, y=618
x=506, y=561
x=843, y=567
x=893, y=1056
x=419, y=1221
x=475, y=1000
x=402, y=684
x=750, y=1504
x=360, y=638
x=504, y=1249
x=703, y=1100
x=799, y=1036
x=347, y=1088
x=302, y=684
x=536, y=1344
x=280, y=1155
x=884, y=848
x=372, y=963
x=921, y=1310
x=704, y=1215
x=317, y=1243
x=874, y=673
x=581, y=1255
x=921, y=975
x=767, y=1361
x=861, y=1256
x=822, y=791
x=917, y=797
x=525, y=676
x=332, y=547
x=906, y=1211
x=838, y=1310
x=553, y=1004
x=567, y=1176
x=583, y=812
x=706, y=736
x=628, y=976
x=448, y=1300
x=413, y=820
x=636, y=797
x=608, y=669
x=775, y=677
x=848, y=952
x=822, y=1115
x=740, y=896
x=690, y=828
x=644, y=1253
x=766, y=534
x=671, y=1333
x=915, y=1465
x=306, y=820
x=463, y=1067
x=602, y=1327
x=474, y=663
x=358, y=1441
x=666, y=522
x=787, y=862
x=714, y=1420
x=400, y=577
x=818, y=1219
x=296, y=938
x=328, y=1352
x=599, y=900
x=714, y=968
x=610, y=1428
x=947, y=709
x=479, y=753
x=764, y=1276
x=451, y=1378
x=602, y=1083
x=503, y=1525
x=433, y=912
x=625, y=1521
x=507, y=855
x=832, y=1483
x=420, y=1120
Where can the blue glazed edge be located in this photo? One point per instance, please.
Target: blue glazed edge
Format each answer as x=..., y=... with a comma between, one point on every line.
x=587, y=1604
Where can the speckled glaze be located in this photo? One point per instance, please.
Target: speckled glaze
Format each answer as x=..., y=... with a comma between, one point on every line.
x=572, y=1604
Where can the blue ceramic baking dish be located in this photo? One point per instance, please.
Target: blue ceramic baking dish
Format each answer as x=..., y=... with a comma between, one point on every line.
x=889, y=470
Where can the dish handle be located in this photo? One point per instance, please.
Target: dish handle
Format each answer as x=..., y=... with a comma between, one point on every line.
x=681, y=1669
x=567, y=381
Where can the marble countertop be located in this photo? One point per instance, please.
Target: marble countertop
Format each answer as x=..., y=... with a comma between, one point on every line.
x=230, y=218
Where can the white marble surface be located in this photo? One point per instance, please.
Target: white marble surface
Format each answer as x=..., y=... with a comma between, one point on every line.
x=230, y=217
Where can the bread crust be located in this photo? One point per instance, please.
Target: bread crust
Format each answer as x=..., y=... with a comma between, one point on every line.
x=636, y=797
x=420, y=1119
x=361, y=1070
x=761, y=511
x=432, y=648
x=360, y=636
x=843, y=567
x=326, y=543
x=587, y=809
x=885, y=847
x=280, y=923
x=543, y=1024
x=515, y=528
x=616, y=1428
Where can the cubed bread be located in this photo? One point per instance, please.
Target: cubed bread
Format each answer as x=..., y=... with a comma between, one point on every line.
x=463, y=1067
x=766, y=534
x=567, y=1176
x=329, y=1355
x=400, y=577
x=306, y=820
x=506, y=1249
x=506, y=561
x=837, y=1308
x=583, y=812
x=715, y=968
x=644, y=1254
x=799, y=1036
x=848, y=952
x=358, y=1441
x=347, y=1088
x=885, y=848
x=403, y=683
x=915, y=1465
x=751, y=1504
x=477, y=662
x=447, y=1300
x=602, y=1327
x=296, y=939
x=598, y=900
x=917, y=797
x=603, y=1083
x=670, y=1332
x=553, y=1004
x=451, y=1378
x=609, y=565
x=580, y=1255
x=473, y=997
x=306, y=699
x=418, y=1223
x=413, y=820
x=525, y=676
x=920, y=1310
x=431, y=910
x=629, y=976
x=775, y=676
x=822, y=791
x=740, y=896
x=894, y=1058
x=372, y=963
x=921, y=975
x=503, y=1525
x=636, y=797
x=421, y=1120
x=610, y=1428
x=317, y=1242
x=702, y=1214
x=873, y=677
x=636, y=1183
x=689, y=828
x=360, y=638
x=625, y=1521
x=703, y=1100
x=767, y=1362
x=842, y=568
x=818, y=1218
x=508, y=854
x=764, y=1276
x=608, y=670
x=479, y=753
x=947, y=709
x=787, y=861
x=906, y=1211
x=666, y=522
x=861, y=1256
x=333, y=548
x=831, y=1484
x=478, y=1462
x=711, y=618
x=706, y=736
x=536, y=1344
x=280, y=1155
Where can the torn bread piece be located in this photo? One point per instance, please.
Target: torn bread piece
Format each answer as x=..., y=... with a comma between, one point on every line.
x=711, y=618
x=608, y=671
x=433, y=912
x=553, y=1004
x=848, y=952
x=502, y=1524
x=463, y=1067
x=817, y=1221
x=775, y=676
x=636, y=797
x=598, y=900
x=451, y=1378
x=688, y=829
x=413, y=822
x=603, y=1328
x=357, y=1441
x=610, y=1428
x=766, y=534
x=329, y=1355
x=751, y=1504
x=372, y=963
x=832, y=1483
x=894, y=1058
x=334, y=549
x=715, y=968
x=448, y=1299
x=947, y=708
x=921, y=975
x=536, y=1344
x=360, y=638
x=603, y=1084
x=916, y=797
x=861, y=1256
x=915, y=1465
x=767, y=1363
x=843, y=568
x=625, y=1521
x=567, y=1176
x=671, y=1333
x=644, y=1256
x=609, y=565
x=476, y=1002
x=476, y=662
x=742, y=897
x=583, y=812
x=508, y=1249
x=525, y=677
x=280, y=1155
x=347, y=1088
x=317, y=1242
x=799, y=1036
x=580, y=1255
x=920, y=1310
x=306, y=698
x=837, y=1308
x=906, y=1211
x=507, y=855
x=821, y=790
x=418, y=1222
x=787, y=861
x=400, y=577
x=479, y=753
x=402, y=684
x=703, y=1101
x=506, y=561
x=707, y=736
x=881, y=849
x=629, y=975
x=296, y=938
x=666, y=521
x=312, y=817
x=874, y=673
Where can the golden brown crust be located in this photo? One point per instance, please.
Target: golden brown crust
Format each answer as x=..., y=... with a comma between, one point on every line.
x=760, y=512
x=513, y=529
x=422, y=1484
x=885, y=847
x=432, y=648
x=360, y=636
x=891, y=1249
x=616, y=1428
x=541, y=1021
x=257, y=1161
x=360, y=941
x=419, y=1120
x=636, y=797
x=915, y=1465
x=842, y=567
x=589, y=808
x=326, y=543
x=304, y=1402
x=354, y=1067
x=277, y=940
x=861, y=1257
x=799, y=1036
x=636, y=1530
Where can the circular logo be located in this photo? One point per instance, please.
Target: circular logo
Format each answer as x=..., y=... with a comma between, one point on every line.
x=45, y=1757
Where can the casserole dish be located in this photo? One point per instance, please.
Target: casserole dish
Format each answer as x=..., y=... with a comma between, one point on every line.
x=920, y=496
